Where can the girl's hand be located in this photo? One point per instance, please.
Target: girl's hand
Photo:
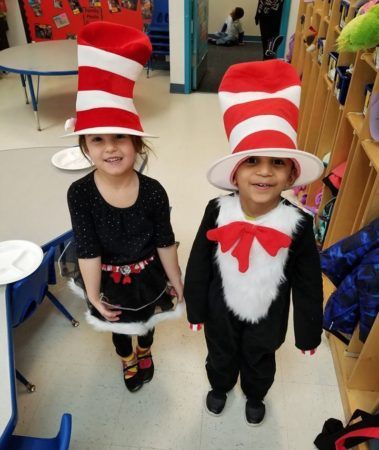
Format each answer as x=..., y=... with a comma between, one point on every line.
x=178, y=290
x=108, y=312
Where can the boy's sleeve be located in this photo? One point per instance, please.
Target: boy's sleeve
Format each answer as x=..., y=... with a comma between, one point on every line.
x=199, y=270
x=307, y=295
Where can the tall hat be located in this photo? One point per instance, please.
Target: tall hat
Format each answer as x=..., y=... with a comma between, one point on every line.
x=260, y=106
x=110, y=59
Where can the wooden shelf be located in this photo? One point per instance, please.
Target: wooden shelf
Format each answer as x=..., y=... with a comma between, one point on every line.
x=356, y=121
x=327, y=126
x=368, y=57
x=372, y=151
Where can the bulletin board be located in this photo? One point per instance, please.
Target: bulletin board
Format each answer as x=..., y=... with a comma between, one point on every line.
x=63, y=19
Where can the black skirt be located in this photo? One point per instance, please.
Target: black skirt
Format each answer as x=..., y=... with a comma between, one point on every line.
x=138, y=295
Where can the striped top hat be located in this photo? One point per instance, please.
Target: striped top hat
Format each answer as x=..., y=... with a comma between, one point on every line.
x=110, y=58
x=260, y=106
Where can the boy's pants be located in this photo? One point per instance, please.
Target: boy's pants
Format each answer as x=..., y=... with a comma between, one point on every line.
x=237, y=347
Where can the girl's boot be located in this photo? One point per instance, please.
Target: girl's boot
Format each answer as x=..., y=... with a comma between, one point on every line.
x=145, y=364
x=132, y=377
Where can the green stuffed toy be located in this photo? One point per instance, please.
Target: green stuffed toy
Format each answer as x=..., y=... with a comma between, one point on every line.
x=360, y=33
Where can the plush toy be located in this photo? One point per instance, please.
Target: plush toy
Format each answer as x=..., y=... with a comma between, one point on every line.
x=360, y=33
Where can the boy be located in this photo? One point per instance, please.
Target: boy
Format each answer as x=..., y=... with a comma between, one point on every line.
x=232, y=32
x=254, y=249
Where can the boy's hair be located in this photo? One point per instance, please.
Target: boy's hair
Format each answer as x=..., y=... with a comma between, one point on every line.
x=238, y=13
x=139, y=144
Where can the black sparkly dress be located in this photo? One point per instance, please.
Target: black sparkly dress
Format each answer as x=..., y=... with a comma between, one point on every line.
x=126, y=238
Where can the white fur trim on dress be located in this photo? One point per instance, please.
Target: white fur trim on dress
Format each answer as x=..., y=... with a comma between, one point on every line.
x=249, y=295
x=135, y=328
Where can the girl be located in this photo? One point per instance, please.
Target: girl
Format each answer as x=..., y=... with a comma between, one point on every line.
x=269, y=16
x=120, y=218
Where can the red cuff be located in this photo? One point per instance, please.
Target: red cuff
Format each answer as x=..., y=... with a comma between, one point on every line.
x=196, y=326
x=309, y=352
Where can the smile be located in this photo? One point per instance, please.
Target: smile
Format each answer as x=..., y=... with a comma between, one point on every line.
x=262, y=186
x=113, y=159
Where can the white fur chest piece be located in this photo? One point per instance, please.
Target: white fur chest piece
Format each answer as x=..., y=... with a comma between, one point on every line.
x=250, y=294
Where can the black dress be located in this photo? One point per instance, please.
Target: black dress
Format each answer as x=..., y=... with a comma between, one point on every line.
x=128, y=238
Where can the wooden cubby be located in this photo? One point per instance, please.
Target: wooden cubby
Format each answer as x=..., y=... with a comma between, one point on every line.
x=342, y=130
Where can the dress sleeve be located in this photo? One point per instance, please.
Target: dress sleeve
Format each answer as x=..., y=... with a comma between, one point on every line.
x=86, y=240
x=163, y=233
x=307, y=294
x=200, y=270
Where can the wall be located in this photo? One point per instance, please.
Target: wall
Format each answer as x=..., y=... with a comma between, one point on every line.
x=16, y=33
x=176, y=9
x=220, y=9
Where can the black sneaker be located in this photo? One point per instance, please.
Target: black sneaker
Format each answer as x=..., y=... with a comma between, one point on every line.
x=254, y=413
x=215, y=402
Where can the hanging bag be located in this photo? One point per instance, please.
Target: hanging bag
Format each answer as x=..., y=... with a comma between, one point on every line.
x=336, y=437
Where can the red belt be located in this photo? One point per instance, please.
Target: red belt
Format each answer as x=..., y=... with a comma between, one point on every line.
x=126, y=270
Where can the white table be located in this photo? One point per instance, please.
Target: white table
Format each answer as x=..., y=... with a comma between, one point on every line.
x=34, y=208
x=48, y=58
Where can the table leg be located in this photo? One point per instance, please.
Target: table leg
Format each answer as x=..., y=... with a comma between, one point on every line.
x=34, y=100
x=22, y=76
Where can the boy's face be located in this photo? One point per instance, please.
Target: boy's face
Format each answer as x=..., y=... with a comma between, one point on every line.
x=261, y=179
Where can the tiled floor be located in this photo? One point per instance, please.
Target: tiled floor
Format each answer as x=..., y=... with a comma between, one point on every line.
x=76, y=370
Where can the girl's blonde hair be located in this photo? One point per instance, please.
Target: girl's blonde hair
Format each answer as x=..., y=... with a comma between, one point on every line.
x=140, y=145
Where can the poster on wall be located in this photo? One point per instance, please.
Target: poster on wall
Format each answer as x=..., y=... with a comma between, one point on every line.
x=129, y=4
x=92, y=14
x=63, y=19
x=114, y=6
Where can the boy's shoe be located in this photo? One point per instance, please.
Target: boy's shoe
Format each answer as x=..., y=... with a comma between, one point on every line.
x=215, y=402
x=132, y=378
x=145, y=365
x=254, y=413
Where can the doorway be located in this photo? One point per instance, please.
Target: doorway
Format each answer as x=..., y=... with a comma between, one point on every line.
x=205, y=64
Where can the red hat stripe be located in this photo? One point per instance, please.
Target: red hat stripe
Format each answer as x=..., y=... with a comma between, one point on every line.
x=106, y=117
x=117, y=39
x=265, y=139
x=282, y=107
x=261, y=123
x=273, y=77
x=92, y=79
x=228, y=99
x=100, y=99
x=95, y=57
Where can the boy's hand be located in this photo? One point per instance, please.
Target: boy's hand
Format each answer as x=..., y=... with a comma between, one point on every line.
x=196, y=326
x=309, y=352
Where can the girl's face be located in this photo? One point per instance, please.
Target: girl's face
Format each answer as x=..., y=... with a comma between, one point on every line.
x=261, y=180
x=113, y=154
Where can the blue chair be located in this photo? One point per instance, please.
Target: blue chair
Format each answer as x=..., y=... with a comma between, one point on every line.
x=27, y=294
x=60, y=442
x=158, y=32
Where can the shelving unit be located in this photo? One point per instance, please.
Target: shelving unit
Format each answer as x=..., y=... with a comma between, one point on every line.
x=327, y=126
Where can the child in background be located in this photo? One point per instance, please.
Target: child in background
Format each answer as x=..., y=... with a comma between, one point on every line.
x=254, y=249
x=232, y=31
x=120, y=218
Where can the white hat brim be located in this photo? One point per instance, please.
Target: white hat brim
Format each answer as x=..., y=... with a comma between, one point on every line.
x=311, y=168
x=109, y=130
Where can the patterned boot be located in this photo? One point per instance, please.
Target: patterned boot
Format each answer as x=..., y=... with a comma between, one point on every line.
x=132, y=378
x=145, y=364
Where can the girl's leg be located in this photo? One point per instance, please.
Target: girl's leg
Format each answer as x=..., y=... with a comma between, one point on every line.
x=145, y=360
x=124, y=348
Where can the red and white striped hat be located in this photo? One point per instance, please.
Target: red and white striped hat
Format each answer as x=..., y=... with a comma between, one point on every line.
x=110, y=58
x=260, y=105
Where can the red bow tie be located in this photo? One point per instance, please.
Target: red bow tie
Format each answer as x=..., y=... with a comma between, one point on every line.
x=243, y=234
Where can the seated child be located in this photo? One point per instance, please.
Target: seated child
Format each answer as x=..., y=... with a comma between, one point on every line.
x=232, y=32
